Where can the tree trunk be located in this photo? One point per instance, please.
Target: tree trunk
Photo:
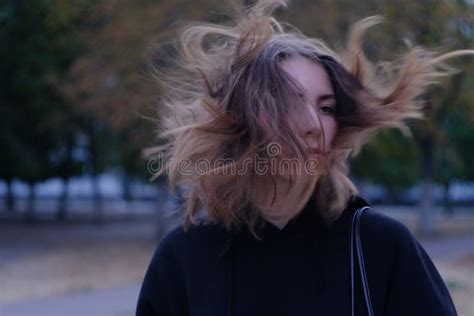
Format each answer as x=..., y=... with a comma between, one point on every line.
x=62, y=207
x=447, y=205
x=97, y=199
x=10, y=197
x=426, y=199
x=95, y=166
x=30, y=206
x=126, y=192
x=161, y=198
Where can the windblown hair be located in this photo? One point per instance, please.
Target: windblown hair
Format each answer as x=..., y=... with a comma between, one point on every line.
x=226, y=97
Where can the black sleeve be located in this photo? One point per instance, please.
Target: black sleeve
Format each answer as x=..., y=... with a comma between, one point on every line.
x=416, y=287
x=162, y=292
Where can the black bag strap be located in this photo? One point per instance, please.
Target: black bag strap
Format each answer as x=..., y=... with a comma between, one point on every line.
x=355, y=234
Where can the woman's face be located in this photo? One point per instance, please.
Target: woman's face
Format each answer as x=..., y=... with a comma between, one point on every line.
x=318, y=113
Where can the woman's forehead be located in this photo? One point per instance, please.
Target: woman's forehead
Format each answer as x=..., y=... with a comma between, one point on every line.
x=310, y=75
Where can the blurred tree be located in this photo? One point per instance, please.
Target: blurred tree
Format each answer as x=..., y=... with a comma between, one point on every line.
x=100, y=151
x=130, y=141
x=31, y=101
x=65, y=161
x=112, y=81
x=433, y=24
x=390, y=161
x=456, y=152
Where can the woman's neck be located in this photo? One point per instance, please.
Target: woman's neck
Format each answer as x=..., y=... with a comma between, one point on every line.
x=290, y=199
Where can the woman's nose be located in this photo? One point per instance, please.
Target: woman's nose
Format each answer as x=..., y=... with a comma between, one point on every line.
x=311, y=125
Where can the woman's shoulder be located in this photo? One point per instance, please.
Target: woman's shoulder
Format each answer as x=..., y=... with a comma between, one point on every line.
x=202, y=234
x=379, y=222
x=414, y=285
x=379, y=226
x=386, y=233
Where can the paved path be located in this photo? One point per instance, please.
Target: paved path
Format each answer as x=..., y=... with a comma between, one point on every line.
x=122, y=301
x=111, y=302
x=448, y=248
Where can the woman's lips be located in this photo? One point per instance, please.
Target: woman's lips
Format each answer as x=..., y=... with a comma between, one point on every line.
x=314, y=152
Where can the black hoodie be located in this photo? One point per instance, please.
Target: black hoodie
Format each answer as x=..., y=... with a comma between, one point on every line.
x=302, y=269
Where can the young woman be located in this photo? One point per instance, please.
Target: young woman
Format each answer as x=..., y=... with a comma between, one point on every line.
x=259, y=122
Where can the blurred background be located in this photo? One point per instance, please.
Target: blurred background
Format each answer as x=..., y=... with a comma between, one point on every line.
x=79, y=218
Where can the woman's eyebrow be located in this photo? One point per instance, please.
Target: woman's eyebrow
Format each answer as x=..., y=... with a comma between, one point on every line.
x=326, y=97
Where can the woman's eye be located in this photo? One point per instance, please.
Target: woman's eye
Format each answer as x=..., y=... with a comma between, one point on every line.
x=328, y=109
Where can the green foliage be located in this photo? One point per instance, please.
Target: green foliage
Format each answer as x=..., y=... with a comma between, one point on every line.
x=456, y=151
x=390, y=160
x=37, y=53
